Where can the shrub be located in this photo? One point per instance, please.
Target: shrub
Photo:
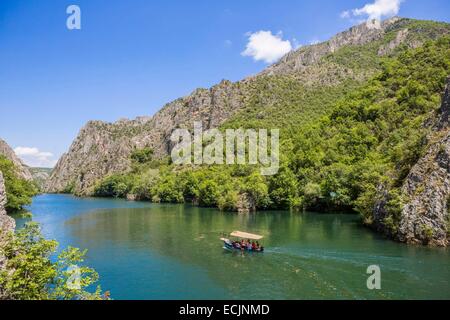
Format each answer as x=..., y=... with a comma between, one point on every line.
x=116, y=185
x=30, y=274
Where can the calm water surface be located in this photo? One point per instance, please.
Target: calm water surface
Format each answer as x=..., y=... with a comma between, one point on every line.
x=152, y=251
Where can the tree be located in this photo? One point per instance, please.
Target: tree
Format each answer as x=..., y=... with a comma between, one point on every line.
x=66, y=287
x=30, y=273
x=115, y=185
x=283, y=188
x=142, y=155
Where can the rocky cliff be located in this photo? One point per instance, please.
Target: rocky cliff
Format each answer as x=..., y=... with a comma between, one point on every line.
x=7, y=224
x=299, y=60
x=40, y=176
x=424, y=217
x=104, y=148
x=22, y=169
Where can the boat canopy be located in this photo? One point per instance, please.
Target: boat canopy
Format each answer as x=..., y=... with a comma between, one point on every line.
x=245, y=235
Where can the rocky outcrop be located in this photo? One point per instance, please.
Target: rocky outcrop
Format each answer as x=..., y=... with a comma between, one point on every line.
x=99, y=149
x=425, y=217
x=304, y=57
x=40, y=176
x=104, y=148
x=7, y=224
x=308, y=63
x=390, y=47
x=8, y=153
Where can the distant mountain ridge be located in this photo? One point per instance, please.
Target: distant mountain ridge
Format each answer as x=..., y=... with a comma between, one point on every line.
x=40, y=176
x=345, y=61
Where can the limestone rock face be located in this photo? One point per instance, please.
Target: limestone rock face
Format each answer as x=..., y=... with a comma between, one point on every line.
x=7, y=224
x=22, y=169
x=40, y=176
x=425, y=217
x=99, y=149
x=2, y=201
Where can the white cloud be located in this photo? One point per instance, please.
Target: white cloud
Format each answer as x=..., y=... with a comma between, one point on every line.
x=376, y=10
x=33, y=157
x=345, y=14
x=264, y=46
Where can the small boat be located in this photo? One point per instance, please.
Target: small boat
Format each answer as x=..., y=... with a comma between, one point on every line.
x=242, y=236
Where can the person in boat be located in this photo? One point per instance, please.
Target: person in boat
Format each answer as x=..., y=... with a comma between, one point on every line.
x=249, y=246
x=253, y=245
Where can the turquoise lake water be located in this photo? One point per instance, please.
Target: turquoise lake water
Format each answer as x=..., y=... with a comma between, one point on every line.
x=155, y=251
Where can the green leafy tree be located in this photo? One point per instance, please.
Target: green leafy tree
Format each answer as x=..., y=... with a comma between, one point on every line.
x=30, y=273
x=142, y=155
x=72, y=278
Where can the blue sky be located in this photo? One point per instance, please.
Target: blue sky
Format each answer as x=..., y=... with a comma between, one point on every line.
x=132, y=57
